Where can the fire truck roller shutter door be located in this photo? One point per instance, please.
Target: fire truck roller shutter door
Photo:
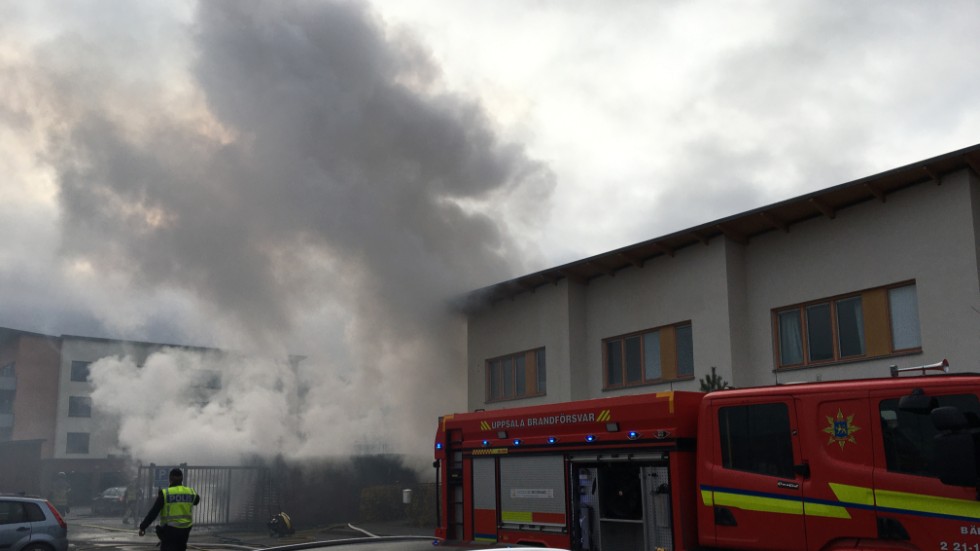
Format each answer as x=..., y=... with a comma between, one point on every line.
x=532, y=491
x=484, y=499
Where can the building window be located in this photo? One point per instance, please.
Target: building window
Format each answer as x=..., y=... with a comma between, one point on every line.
x=516, y=376
x=6, y=401
x=757, y=439
x=651, y=356
x=7, y=370
x=79, y=406
x=79, y=371
x=904, y=309
x=865, y=324
x=6, y=434
x=77, y=442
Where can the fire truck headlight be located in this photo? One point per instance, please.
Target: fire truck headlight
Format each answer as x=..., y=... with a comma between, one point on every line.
x=552, y=439
x=632, y=435
x=517, y=441
x=590, y=438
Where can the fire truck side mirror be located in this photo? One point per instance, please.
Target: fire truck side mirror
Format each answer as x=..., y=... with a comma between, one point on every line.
x=957, y=445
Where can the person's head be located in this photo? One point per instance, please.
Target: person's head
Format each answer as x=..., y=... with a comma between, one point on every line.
x=176, y=476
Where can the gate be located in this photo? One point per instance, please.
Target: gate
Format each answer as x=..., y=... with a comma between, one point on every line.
x=229, y=495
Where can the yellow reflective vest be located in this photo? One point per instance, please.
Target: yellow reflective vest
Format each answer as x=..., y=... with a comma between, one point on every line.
x=177, y=504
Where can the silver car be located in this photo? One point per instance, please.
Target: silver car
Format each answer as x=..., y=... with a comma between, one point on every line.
x=31, y=524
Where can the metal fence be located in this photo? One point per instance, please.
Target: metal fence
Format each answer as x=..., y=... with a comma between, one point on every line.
x=229, y=495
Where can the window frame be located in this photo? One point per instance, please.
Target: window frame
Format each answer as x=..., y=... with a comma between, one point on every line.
x=8, y=516
x=69, y=449
x=769, y=422
x=7, y=397
x=908, y=437
x=82, y=406
x=668, y=373
x=76, y=369
x=801, y=309
x=508, y=390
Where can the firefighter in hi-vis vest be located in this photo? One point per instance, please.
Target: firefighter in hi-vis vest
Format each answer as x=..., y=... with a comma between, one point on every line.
x=174, y=505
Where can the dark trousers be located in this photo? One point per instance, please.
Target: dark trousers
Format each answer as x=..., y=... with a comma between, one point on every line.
x=173, y=539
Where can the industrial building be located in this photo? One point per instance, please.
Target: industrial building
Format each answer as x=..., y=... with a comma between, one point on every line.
x=839, y=283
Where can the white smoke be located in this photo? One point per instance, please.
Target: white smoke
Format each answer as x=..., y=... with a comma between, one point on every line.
x=273, y=179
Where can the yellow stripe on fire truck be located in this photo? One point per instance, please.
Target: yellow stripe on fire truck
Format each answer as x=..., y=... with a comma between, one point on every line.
x=847, y=497
x=519, y=517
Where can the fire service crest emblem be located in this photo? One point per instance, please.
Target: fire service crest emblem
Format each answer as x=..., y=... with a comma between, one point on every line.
x=841, y=429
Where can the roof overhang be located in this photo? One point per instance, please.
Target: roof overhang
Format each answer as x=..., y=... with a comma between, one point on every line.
x=741, y=228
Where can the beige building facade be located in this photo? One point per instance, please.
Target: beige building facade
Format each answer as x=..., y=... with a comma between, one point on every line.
x=838, y=284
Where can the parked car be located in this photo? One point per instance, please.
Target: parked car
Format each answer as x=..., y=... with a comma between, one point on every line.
x=31, y=524
x=112, y=501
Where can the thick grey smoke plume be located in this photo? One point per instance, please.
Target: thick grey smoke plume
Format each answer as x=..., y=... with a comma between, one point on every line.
x=267, y=178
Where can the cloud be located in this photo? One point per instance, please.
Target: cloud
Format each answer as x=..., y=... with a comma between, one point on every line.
x=794, y=96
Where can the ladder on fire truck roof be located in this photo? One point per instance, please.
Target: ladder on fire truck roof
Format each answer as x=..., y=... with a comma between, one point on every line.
x=938, y=366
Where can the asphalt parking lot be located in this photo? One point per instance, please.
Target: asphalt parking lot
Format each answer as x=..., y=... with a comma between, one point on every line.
x=88, y=531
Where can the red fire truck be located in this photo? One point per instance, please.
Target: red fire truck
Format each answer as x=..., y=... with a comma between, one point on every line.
x=873, y=464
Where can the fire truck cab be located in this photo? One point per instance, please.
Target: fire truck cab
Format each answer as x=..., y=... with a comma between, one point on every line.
x=865, y=464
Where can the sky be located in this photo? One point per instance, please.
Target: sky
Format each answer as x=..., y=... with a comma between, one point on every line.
x=326, y=178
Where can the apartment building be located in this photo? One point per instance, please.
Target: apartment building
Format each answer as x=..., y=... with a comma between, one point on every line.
x=840, y=283
x=47, y=420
